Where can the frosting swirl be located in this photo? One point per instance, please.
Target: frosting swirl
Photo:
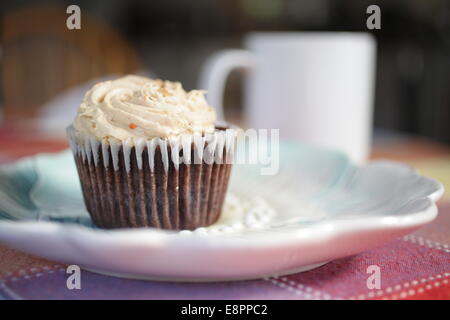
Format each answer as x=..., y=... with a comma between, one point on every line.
x=138, y=107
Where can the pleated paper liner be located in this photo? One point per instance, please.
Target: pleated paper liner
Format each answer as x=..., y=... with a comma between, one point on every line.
x=151, y=184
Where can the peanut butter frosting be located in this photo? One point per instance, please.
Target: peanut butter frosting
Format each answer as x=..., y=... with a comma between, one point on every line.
x=137, y=107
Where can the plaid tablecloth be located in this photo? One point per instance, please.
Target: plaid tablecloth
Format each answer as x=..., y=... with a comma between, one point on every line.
x=416, y=266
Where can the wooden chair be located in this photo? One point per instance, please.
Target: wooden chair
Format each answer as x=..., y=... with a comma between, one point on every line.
x=42, y=57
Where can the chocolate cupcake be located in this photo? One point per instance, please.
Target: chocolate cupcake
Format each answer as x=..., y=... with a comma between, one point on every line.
x=149, y=154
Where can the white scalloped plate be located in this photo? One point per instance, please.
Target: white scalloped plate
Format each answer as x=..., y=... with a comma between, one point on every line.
x=318, y=208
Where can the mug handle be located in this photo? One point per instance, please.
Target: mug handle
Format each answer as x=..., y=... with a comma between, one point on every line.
x=215, y=71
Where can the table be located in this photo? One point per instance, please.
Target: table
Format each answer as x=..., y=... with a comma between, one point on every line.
x=416, y=266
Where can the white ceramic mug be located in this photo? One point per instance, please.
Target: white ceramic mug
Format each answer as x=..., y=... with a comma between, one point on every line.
x=316, y=87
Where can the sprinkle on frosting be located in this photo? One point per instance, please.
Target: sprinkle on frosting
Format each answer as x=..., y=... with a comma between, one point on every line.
x=138, y=107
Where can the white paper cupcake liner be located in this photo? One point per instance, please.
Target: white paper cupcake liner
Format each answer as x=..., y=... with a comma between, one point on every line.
x=178, y=183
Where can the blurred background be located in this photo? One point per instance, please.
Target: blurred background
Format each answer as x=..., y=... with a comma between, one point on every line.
x=41, y=60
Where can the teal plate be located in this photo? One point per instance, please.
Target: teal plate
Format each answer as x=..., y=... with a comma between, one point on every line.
x=318, y=207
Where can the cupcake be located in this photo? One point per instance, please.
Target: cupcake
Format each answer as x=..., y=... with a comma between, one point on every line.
x=149, y=154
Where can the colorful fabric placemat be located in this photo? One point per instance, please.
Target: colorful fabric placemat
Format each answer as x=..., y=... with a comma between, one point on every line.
x=416, y=266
